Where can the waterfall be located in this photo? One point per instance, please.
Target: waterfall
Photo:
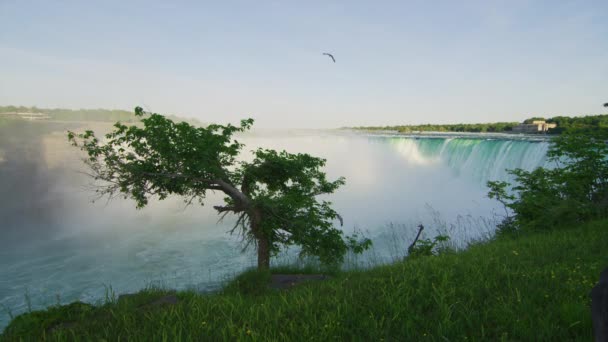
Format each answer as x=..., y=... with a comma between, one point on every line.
x=479, y=159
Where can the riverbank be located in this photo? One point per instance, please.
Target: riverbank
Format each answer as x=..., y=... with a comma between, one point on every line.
x=447, y=135
x=515, y=288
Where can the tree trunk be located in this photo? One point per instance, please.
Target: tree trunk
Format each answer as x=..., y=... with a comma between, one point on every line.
x=244, y=203
x=263, y=254
x=261, y=239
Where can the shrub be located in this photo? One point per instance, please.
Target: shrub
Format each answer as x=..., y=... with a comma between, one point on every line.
x=576, y=190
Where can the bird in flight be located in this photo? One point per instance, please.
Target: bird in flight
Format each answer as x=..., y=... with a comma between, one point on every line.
x=606, y=104
x=330, y=55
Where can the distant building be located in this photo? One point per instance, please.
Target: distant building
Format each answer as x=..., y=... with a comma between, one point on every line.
x=539, y=126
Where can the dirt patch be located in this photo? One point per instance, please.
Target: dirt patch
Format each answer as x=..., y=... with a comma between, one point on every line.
x=165, y=300
x=140, y=302
x=60, y=326
x=287, y=281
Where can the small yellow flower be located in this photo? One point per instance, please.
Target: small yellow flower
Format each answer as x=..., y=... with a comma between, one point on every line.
x=248, y=332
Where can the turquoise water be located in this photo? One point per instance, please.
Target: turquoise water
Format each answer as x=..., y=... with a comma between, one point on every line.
x=56, y=245
x=480, y=159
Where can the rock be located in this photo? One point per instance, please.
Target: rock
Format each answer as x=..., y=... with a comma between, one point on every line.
x=599, y=308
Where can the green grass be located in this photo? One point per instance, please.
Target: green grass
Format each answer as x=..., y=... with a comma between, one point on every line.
x=533, y=287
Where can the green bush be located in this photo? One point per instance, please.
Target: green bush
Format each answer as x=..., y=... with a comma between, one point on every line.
x=575, y=191
x=428, y=247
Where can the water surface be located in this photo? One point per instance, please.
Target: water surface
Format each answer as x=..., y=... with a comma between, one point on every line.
x=58, y=246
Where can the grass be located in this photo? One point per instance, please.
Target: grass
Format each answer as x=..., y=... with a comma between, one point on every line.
x=531, y=287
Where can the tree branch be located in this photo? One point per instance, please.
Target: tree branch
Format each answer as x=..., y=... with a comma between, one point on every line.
x=179, y=175
x=411, y=247
x=234, y=193
x=221, y=209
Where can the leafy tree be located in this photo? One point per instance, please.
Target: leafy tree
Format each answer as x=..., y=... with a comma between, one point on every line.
x=498, y=191
x=575, y=190
x=274, y=197
x=590, y=123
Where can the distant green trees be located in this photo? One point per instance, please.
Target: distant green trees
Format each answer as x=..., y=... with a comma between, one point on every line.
x=91, y=115
x=575, y=190
x=588, y=123
x=14, y=109
x=88, y=115
x=483, y=127
x=61, y=114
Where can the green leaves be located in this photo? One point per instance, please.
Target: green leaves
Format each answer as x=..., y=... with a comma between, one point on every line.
x=274, y=196
x=426, y=247
x=284, y=187
x=161, y=158
x=139, y=111
x=575, y=190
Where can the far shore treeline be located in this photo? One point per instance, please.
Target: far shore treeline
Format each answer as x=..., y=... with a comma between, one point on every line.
x=62, y=114
x=86, y=115
x=564, y=123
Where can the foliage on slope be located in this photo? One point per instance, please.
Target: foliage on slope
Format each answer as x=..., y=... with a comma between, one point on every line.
x=534, y=287
x=575, y=190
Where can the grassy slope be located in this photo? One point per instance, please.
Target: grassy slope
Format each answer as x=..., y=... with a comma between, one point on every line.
x=533, y=287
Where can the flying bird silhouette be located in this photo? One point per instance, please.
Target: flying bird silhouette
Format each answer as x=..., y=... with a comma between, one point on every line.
x=606, y=104
x=330, y=55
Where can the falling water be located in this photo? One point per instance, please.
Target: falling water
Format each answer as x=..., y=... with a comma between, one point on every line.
x=55, y=243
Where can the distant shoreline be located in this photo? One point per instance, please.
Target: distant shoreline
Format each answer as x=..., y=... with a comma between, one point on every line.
x=443, y=135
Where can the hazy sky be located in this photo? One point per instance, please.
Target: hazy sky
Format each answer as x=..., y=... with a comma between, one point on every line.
x=397, y=61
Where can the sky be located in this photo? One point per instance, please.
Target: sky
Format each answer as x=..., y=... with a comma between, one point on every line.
x=397, y=62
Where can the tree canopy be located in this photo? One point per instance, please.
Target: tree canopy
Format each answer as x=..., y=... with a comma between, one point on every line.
x=594, y=124
x=574, y=190
x=274, y=197
x=589, y=123
x=476, y=128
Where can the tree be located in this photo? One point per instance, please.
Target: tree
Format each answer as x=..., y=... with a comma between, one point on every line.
x=574, y=190
x=274, y=197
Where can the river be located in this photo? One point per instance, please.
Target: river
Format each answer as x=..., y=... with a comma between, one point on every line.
x=57, y=246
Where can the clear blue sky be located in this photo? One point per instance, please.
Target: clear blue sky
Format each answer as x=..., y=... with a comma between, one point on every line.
x=398, y=62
